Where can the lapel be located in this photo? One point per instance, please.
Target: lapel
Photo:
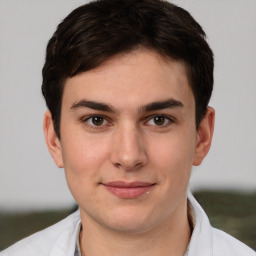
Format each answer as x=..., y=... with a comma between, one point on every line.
x=66, y=242
x=201, y=243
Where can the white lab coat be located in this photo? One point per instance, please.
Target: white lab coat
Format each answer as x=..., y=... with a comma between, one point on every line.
x=60, y=239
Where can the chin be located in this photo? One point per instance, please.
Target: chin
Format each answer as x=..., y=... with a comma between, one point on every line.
x=129, y=227
x=133, y=222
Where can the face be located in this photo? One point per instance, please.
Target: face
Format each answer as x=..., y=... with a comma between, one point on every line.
x=128, y=141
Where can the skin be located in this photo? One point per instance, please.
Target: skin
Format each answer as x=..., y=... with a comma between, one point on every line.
x=128, y=141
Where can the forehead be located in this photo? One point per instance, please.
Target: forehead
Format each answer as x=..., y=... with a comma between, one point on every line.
x=139, y=76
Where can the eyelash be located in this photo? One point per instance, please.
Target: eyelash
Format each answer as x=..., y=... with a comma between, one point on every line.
x=106, y=122
x=86, y=120
x=166, y=118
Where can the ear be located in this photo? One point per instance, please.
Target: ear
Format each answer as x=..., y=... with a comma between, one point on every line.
x=204, y=136
x=51, y=139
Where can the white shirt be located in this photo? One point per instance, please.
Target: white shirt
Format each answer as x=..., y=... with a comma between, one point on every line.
x=60, y=239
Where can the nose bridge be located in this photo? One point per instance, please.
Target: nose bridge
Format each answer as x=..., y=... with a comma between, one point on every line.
x=129, y=151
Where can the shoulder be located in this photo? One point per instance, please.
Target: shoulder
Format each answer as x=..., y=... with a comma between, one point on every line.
x=209, y=241
x=224, y=244
x=44, y=242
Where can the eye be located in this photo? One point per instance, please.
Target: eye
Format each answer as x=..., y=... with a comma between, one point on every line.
x=95, y=121
x=159, y=120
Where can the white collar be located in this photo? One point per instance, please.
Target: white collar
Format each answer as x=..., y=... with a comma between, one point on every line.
x=202, y=233
x=201, y=227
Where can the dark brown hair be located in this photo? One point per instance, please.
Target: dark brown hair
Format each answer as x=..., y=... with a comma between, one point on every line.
x=95, y=32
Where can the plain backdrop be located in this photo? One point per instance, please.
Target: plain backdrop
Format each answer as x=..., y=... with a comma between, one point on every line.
x=29, y=179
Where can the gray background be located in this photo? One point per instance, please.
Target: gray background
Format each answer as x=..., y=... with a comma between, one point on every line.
x=29, y=179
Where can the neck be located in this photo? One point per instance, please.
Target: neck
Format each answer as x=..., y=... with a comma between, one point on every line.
x=171, y=237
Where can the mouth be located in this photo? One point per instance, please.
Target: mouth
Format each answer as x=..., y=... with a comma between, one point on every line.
x=128, y=190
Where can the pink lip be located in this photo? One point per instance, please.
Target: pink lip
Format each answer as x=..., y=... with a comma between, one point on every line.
x=128, y=189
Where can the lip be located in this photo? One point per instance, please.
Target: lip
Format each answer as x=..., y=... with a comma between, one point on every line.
x=128, y=190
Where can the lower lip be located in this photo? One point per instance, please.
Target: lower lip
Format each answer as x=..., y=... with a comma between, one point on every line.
x=128, y=192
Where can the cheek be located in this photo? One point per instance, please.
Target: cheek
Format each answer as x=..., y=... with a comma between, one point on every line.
x=82, y=154
x=81, y=170
x=83, y=158
x=174, y=157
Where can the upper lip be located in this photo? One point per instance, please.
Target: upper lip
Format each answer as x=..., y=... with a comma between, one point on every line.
x=123, y=184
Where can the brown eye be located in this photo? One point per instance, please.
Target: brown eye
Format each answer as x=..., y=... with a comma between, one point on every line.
x=159, y=120
x=97, y=120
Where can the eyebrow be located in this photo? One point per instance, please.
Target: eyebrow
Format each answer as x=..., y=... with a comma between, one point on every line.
x=93, y=105
x=158, y=105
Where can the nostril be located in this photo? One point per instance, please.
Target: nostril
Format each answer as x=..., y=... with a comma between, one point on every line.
x=118, y=165
x=128, y=167
x=138, y=165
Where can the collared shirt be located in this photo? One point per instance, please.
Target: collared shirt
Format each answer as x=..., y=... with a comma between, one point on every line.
x=78, y=251
x=191, y=220
x=61, y=238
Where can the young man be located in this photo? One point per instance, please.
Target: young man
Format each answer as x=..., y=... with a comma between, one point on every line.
x=127, y=84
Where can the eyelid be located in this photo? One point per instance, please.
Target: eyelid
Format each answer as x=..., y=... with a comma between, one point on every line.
x=109, y=122
x=85, y=120
x=169, y=118
x=87, y=117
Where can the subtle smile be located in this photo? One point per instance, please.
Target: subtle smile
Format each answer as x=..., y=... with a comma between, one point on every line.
x=128, y=190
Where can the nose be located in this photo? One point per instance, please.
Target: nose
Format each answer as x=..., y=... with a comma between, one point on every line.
x=128, y=148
